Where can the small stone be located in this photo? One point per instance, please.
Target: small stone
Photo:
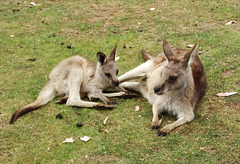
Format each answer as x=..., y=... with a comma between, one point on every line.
x=59, y=116
x=79, y=124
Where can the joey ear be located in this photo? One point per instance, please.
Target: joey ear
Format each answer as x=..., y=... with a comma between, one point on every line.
x=189, y=56
x=101, y=57
x=146, y=56
x=168, y=51
x=113, y=53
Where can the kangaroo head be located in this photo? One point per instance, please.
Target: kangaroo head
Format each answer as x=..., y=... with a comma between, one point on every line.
x=108, y=66
x=174, y=75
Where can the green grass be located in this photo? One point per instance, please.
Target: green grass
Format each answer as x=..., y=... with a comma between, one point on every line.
x=92, y=26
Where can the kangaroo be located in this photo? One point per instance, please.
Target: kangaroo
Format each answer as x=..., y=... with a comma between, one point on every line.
x=172, y=82
x=76, y=78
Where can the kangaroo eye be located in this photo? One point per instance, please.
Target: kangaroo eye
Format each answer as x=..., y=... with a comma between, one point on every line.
x=108, y=74
x=117, y=72
x=172, y=79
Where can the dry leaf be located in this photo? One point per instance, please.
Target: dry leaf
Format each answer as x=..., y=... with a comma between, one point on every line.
x=190, y=45
x=137, y=108
x=85, y=138
x=202, y=148
x=104, y=122
x=226, y=94
x=231, y=22
x=117, y=58
x=68, y=140
x=200, y=52
x=34, y=4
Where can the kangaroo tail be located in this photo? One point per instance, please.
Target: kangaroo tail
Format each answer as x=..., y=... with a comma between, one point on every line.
x=46, y=95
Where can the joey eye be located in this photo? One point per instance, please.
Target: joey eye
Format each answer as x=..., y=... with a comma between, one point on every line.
x=108, y=74
x=117, y=72
x=172, y=79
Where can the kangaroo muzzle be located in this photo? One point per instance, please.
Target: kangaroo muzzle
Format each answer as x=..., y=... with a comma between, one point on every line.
x=115, y=83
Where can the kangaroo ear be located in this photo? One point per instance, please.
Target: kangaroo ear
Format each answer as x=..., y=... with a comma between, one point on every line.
x=168, y=51
x=146, y=56
x=101, y=57
x=113, y=53
x=189, y=56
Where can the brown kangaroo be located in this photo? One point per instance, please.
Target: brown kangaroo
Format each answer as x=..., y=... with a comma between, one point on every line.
x=172, y=82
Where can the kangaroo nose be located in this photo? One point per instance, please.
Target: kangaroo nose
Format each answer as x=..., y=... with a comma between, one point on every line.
x=116, y=83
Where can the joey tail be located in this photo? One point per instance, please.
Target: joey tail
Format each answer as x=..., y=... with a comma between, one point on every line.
x=46, y=95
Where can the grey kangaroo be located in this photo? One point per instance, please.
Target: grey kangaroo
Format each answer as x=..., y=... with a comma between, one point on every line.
x=76, y=78
x=172, y=82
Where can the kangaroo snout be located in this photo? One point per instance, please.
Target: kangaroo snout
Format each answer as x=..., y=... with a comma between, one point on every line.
x=115, y=83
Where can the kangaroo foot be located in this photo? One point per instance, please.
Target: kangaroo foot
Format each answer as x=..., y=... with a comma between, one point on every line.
x=62, y=100
x=104, y=106
x=129, y=95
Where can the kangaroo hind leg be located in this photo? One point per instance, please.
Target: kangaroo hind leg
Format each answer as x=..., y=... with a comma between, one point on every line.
x=75, y=80
x=131, y=86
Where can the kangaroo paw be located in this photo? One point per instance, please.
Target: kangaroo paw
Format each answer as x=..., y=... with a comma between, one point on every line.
x=93, y=99
x=156, y=124
x=163, y=132
x=104, y=106
x=111, y=103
